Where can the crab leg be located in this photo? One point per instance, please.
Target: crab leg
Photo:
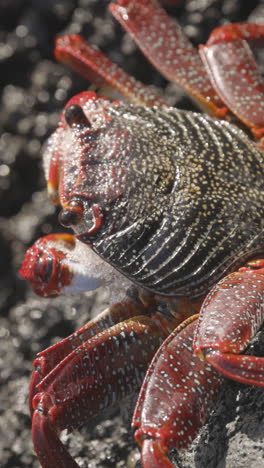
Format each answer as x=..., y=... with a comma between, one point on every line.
x=94, y=376
x=185, y=388
x=232, y=32
x=230, y=317
x=98, y=69
x=50, y=357
x=162, y=41
x=234, y=72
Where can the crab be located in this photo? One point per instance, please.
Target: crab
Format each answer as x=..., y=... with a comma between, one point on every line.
x=167, y=210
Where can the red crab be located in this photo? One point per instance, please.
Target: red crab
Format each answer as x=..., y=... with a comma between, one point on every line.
x=169, y=205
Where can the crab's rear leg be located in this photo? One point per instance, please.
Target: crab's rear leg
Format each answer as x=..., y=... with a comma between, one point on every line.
x=99, y=70
x=230, y=317
x=234, y=72
x=94, y=376
x=163, y=42
x=176, y=397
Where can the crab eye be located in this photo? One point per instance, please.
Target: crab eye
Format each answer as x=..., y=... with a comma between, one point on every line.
x=74, y=116
x=43, y=268
x=71, y=213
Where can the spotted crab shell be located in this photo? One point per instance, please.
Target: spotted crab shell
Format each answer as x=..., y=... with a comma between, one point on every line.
x=180, y=194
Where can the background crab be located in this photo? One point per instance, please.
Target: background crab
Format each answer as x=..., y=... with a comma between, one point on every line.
x=28, y=325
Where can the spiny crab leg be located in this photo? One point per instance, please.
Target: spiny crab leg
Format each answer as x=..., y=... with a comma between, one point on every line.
x=175, y=399
x=234, y=73
x=162, y=41
x=98, y=69
x=223, y=333
x=94, y=376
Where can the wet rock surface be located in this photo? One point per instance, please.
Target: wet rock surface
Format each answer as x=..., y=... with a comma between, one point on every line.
x=34, y=89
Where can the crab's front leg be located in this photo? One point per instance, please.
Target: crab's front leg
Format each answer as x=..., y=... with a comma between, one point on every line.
x=230, y=317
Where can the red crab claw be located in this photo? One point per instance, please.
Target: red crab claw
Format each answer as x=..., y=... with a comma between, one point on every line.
x=93, y=376
x=51, y=268
x=94, y=66
x=234, y=73
x=162, y=41
x=43, y=264
x=230, y=317
x=175, y=399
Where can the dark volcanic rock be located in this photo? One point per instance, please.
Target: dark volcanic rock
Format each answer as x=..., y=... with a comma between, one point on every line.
x=34, y=89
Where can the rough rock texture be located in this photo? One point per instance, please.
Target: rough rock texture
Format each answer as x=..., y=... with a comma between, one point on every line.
x=34, y=90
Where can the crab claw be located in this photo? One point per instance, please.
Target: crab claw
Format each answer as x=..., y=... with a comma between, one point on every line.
x=230, y=317
x=43, y=264
x=228, y=51
x=52, y=268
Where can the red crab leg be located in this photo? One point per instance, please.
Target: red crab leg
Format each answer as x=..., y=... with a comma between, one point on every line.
x=234, y=72
x=175, y=399
x=230, y=317
x=162, y=41
x=50, y=357
x=97, y=374
x=232, y=32
x=98, y=69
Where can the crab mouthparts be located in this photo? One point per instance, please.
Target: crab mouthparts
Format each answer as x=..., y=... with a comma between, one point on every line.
x=75, y=215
